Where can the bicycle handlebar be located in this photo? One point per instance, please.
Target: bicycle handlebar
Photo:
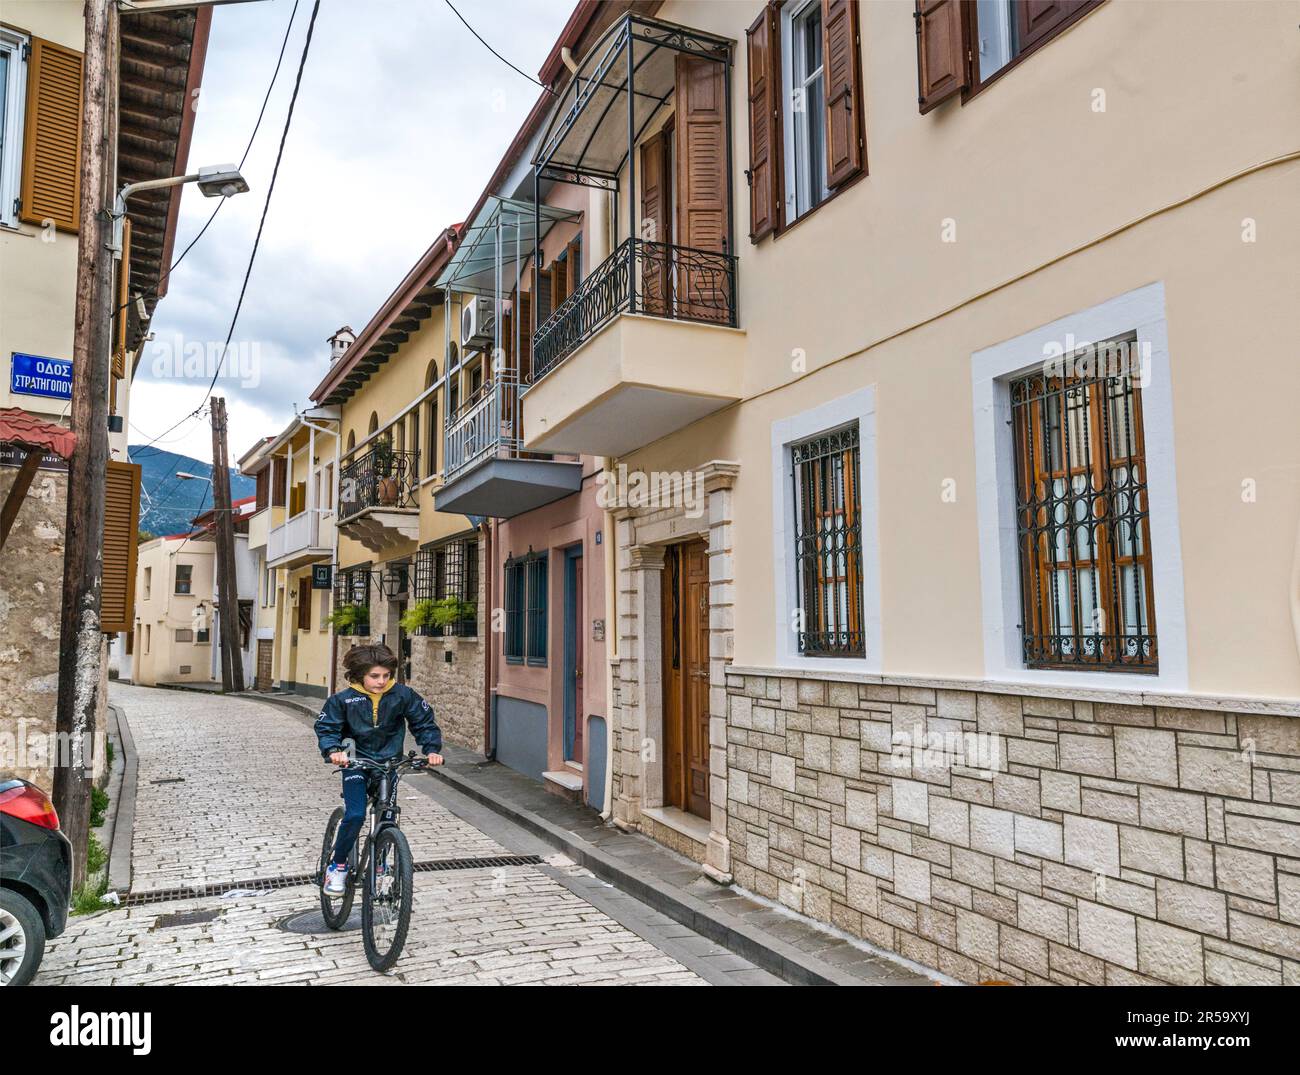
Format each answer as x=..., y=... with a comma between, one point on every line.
x=411, y=761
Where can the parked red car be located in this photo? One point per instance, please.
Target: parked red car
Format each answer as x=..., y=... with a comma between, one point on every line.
x=35, y=879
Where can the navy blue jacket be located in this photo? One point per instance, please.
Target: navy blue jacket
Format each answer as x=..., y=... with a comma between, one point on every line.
x=377, y=723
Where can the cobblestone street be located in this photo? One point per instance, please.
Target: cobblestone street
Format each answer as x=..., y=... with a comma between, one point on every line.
x=232, y=790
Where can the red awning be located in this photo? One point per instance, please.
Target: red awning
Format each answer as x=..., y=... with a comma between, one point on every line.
x=19, y=427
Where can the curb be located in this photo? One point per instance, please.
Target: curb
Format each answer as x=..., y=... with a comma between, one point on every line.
x=763, y=950
x=119, y=852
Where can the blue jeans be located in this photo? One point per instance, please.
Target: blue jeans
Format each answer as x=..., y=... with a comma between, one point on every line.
x=356, y=783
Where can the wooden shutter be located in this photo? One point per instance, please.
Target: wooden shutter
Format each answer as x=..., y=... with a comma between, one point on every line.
x=842, y=60
x=700, y=153
x=122, y=318
x=525, y=360
x=1039, y=19
x=764, y=172
x=121, y=526
x=654, y=225
x=277, y=481
x=304, y=603
x=51, y=183
x=559, y=283
x=940, y=51
x=542, y=289
x=573, y=260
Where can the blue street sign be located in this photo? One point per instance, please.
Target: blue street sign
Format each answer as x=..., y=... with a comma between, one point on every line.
x=33, y=375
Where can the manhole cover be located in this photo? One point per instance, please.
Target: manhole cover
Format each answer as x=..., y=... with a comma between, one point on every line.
x=314, y=922
x=184, y=918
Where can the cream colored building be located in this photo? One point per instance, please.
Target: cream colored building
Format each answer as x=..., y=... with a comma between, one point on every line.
x=995, y=658
x=395, y=551
x=292, y=533
x=174, y=608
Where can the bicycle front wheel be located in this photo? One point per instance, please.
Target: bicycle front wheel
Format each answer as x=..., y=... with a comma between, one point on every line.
x=335, y=909
x=386, y=899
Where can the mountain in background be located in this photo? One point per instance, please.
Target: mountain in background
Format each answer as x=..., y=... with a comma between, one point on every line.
x=168, y=503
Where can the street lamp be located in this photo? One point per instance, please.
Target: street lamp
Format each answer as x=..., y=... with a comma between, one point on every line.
x=192, y=477
x=214, y=180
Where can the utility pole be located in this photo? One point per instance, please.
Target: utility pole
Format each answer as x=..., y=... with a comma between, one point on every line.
x=232, y=662
x=81, y=663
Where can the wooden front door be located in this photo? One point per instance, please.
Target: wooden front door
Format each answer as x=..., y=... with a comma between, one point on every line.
x=686, y=677
x=265, y=647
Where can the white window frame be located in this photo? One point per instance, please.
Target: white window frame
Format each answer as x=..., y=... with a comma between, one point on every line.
x=859, y=406
x=992, y=371
x=11, y=167
x=794, y=180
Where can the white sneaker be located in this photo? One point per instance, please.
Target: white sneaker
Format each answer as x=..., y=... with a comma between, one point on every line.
x=336, y=879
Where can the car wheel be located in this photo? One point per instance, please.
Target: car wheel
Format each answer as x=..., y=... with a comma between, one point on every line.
x=22, y=938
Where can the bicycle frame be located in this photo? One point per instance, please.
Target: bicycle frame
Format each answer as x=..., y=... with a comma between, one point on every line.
x=381, y=806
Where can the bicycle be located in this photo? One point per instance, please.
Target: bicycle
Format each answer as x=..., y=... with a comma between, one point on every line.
x=384, y=856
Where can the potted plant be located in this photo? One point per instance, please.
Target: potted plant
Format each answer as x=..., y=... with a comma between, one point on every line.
x=383, y=463
x=417, y=617
x=350, y=619
x=445, y=613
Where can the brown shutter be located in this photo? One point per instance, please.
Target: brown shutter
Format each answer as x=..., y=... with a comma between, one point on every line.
x=559, y=284
x=51, y=184
x=304, y=603
x=764, y=124
x=122, y=319
x=940, y=51
x=700, y=160
x=525, y=337
x=654, y=225
x=574, y=263
x=842, y=59
x=121, y=526
x=1039, y=19
x=277, y=481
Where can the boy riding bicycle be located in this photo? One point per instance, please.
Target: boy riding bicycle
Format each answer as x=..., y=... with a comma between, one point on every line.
x=374, y=712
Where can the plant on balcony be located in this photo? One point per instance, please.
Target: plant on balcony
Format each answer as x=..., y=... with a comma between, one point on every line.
x=350, y=619
x=444, y=612
x=384, y=458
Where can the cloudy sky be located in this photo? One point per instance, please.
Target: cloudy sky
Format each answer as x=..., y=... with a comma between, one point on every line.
x=401, y=118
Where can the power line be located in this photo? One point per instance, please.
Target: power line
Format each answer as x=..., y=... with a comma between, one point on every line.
x=497, y=54
x=270, y=190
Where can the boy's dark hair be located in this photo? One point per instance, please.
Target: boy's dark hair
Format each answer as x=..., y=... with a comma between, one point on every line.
x=360, y=659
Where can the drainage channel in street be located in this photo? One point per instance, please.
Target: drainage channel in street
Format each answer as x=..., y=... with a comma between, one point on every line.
x=269, y=884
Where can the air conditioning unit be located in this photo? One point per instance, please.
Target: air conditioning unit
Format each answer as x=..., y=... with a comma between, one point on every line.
x=477, y=324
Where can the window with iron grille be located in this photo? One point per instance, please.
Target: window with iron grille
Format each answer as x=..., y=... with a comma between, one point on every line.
x=828, y=543
x=1082, y=528
x=536, y=614
x=525, y=607
x=450, y=570
x=352, y=587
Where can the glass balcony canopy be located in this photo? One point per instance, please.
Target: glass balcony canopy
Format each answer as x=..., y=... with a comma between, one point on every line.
x=501, y=237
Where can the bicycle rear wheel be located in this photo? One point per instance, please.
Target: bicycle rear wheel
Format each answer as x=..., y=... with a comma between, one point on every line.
x=335, y=909
x=386, y=899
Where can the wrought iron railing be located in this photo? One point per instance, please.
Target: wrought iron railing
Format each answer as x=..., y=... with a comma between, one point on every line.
x=679, y=282
x=488, y=426
x=380, y=478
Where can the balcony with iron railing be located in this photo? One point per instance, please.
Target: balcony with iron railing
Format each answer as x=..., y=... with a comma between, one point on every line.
x=379, y=497
x=649, y=341
x=647, y=344
x=486, y=471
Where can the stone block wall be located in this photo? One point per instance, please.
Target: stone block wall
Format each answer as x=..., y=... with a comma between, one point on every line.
x=1089, y=843
x=455, y=690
